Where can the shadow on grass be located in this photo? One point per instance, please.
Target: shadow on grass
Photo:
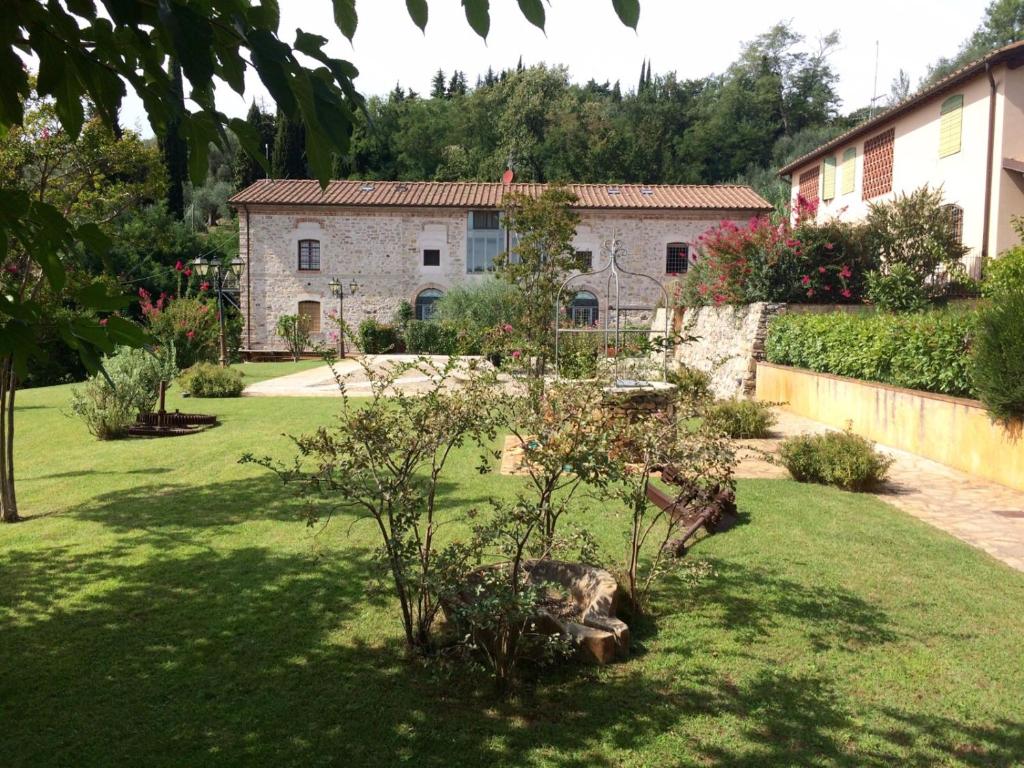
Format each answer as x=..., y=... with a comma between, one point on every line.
x=265, y=497
x=249, y=657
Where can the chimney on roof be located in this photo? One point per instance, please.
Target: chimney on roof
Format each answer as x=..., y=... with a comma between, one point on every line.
x=508, y=176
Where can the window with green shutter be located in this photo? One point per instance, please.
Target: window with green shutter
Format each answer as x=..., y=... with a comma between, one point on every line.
x=828, y=185
x=849, y=170
x=951, y=125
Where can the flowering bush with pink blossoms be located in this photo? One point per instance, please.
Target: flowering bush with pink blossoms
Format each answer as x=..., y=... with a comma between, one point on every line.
x=770, y=259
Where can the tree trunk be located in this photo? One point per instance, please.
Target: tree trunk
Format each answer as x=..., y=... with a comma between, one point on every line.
x=8, y=387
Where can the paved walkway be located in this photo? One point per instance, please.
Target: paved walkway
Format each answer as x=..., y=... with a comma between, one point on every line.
x=320, y=382
x=986, y=515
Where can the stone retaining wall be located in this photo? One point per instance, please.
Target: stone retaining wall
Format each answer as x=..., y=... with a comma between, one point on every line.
x=730, y=343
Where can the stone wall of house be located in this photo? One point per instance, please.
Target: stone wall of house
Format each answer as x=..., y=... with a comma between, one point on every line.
x=729, y=344
x=381, y=250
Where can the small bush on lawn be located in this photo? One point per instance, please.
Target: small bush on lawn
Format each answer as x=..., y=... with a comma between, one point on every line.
x=927, y=351
x=295, y=331
x=109, y=407
x=998, y=357
x=209, y=380
x=741, y=419
x=896, y=290
x=842, y=459
x=377, y=338
x=429, y=337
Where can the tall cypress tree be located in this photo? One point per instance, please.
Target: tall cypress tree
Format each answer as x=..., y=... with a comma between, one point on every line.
x=288, y=160
x=246, y=168
x=174, y=150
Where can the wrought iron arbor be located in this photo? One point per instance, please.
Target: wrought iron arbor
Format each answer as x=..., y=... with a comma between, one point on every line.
x=615, y=335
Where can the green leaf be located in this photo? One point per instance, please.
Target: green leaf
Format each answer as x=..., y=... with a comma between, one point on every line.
x=93, y=238
x=478, y=14
x=418, y=12
x=533, y=10
x=345, y=17
x=125, y=333
x=628, y=11
x=249, y=137
x=58, y=78
x=95, y=296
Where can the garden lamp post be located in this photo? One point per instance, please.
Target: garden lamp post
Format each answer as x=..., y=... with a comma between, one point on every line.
x=338, y=292
x=219, y=272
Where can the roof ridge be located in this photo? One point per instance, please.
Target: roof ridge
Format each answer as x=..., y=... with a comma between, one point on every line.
x=892, y=112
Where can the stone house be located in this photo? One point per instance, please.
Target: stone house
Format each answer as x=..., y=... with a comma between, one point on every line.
x=965, y=133
x=412, y=241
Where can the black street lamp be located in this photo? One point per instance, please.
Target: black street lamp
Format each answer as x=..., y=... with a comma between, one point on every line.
x=338, y=292
x=219, y=272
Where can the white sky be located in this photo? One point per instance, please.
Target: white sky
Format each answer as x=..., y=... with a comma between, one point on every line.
x=692, y=37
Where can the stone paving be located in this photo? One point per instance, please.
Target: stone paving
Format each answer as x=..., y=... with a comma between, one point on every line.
x=986, y=515
x=320, y=382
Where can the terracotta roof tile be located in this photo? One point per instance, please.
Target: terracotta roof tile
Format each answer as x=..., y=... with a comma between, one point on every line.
x=473, y=194
x=1014, y=52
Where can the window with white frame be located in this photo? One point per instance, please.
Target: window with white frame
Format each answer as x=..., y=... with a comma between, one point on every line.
x=583, y=310
x=485, y=240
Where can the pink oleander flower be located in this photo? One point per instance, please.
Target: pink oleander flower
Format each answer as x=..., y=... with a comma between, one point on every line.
x=810, y=292
x=516, y=354
x=507, y=328
x=204, y=286
x=103, y=321
x=829, y=246
x=190, y=335
x=179, y=266
x=846, y=272
x=821, y=270
x=846, y=293
x=806, y=279
x=188, y=272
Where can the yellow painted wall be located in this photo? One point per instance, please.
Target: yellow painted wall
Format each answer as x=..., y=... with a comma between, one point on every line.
x=950, y=430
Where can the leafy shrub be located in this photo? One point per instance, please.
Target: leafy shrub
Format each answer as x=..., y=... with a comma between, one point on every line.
x=998, y=356
x=1005, y=274
x=109, y=407
x=692, y=384
x=429, y=337
x=378, y=338
x=741, y=419
x=770, y=260
x=579, y=355
x=916, y=230
x=209, y=380
x=191, y=326
x=897, y=289
x=480, y=306
x=842, y=459
x=294, y=330
x=927, y=351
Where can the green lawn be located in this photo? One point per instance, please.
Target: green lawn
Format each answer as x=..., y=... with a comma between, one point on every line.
x=253, y=372
x=164, y=606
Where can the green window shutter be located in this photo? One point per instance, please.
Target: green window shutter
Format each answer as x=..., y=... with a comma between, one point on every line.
x=849, y=170
x=828, y=186
x=951, y=125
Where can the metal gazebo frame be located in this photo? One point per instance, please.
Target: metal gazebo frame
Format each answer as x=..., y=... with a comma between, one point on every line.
x=613, y=333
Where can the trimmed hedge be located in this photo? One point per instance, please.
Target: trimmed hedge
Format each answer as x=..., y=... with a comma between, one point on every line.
x=999, y=357
x=929, y=351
